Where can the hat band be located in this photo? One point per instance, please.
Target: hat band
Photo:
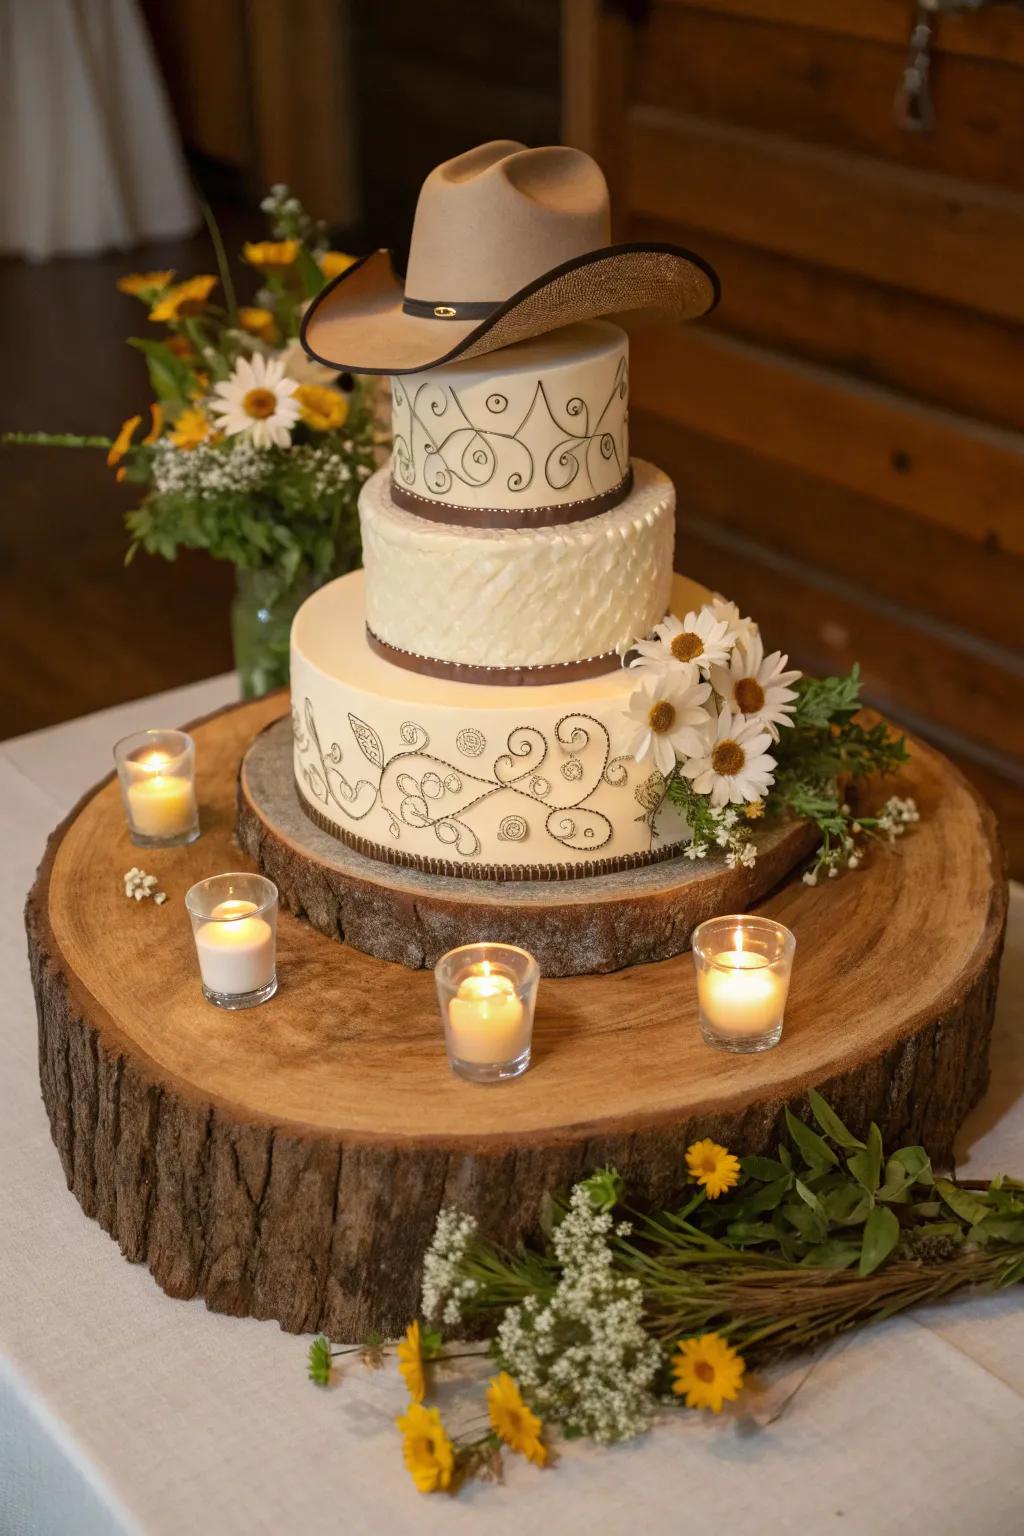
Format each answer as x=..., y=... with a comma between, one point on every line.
x=450, y=309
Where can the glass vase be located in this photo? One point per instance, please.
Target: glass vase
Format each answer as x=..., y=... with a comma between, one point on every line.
x=261, y=622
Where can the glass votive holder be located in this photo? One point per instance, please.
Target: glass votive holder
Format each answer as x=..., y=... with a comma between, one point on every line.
x=157, y=772
x=234, y=925
x=487, y=994
x=743, y=968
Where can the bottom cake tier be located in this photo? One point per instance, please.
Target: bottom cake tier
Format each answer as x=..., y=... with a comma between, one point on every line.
x=468, y=779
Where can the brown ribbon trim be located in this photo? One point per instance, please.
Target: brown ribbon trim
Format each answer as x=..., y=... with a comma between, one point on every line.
x=469, y=871
x=511, y=517
x=501, y=677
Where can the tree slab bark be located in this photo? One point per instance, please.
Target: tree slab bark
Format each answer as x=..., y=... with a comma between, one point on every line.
x=289, y=1162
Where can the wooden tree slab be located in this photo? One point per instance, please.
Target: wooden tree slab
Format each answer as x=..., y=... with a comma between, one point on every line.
x=289, y=1162
x=574, y=927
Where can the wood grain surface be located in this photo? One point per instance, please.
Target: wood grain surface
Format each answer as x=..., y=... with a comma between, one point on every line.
x=289, y=1162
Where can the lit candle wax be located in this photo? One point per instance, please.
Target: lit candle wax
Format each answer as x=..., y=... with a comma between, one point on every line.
x=236, y=956
x=161, y=805
x=485, y=1018
x=741, y=995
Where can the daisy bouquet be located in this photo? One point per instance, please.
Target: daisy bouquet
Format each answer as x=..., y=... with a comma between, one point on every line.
x=731, y=734
x=250, y=450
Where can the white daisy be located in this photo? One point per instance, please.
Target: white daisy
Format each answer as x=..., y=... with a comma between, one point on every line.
x=735, y=766
x=699, y=640
x=757, y=686
x=729, y=614
x=258, y=400
x=671, y=718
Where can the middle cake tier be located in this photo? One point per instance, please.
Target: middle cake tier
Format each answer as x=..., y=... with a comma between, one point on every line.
x=521, y=601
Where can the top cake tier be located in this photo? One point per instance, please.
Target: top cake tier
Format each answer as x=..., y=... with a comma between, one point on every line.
x=533, y=435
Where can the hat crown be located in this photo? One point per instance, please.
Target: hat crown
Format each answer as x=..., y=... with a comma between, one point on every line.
x=498, y=217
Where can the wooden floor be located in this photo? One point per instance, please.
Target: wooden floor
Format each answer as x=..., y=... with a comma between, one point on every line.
x=78, y=631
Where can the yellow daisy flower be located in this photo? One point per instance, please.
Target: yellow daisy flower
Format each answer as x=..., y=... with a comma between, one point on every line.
x=137, y=282
x=191, y=429
x=410, y=1363
x=123, y=441
x=156, y=422
x=754, y=811
x=429, y=1454
x=708, y=1372
x=334, y=263
x=513, y=1421
x=322, y=407
x=711, y=1165
x=258, y=322
x=271, y=253
x=187, y=298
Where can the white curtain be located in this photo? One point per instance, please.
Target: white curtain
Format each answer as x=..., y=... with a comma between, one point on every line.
x=89, y=153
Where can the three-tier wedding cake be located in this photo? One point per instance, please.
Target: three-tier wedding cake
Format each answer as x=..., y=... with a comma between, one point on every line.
x=460, y=704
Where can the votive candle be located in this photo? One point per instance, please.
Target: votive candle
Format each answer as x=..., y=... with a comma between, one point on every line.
x=487, y=994
x=234, y=924
x=156, y=770
x=743, y=966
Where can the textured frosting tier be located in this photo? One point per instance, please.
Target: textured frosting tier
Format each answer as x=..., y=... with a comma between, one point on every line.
x=517, y=597
x=539, y=424
x=468, y=779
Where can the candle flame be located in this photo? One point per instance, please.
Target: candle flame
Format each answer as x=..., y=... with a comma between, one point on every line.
x=737, y=940
x=153, y=761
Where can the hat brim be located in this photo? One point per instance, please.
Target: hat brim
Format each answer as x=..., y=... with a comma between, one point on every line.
x=357, y=322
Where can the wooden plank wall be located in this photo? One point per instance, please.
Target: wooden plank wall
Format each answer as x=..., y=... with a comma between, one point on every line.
x=846, y=432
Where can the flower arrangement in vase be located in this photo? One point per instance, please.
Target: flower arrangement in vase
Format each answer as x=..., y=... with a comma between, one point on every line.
x=252, y=451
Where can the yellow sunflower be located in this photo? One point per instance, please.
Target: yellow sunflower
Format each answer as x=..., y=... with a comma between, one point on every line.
x=123, y=441
x=138, y=282
x=258, y=322
x=271, y=253
x=711, y=1165
x=191, y=429
x=708, y=1372
x=322, y=407
x=187, y=298
x=410, y=1363
x=334, y=263
x=513, y=1421
x=429, y=1454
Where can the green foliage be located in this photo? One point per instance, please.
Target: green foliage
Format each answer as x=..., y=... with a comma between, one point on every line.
x=605, y=1189
x=818, y=757
x=298, y=519
x=320, y=1366
x=827, y=1233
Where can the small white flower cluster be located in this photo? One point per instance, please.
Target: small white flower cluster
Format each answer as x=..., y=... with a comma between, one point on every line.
x=710, y=706
x=445, y=1287
x=897, y=815
x=212, y=471
x=584, y=1358
x=839, y=853
x=209, y=471
x=138, y=886
x=724, y=829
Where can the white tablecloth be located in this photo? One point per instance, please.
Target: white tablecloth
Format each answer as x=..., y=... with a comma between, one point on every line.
x=121, y=1410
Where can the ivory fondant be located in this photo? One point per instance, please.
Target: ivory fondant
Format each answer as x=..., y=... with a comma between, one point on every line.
x=539, y=424
x=465, y=778
x=490, y=597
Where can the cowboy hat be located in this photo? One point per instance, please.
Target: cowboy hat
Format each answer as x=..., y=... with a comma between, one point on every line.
x=507, y=243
